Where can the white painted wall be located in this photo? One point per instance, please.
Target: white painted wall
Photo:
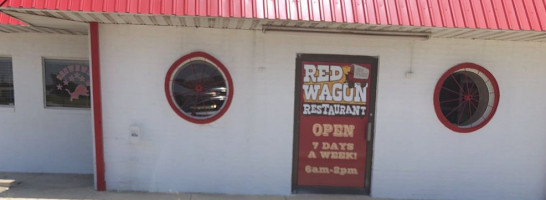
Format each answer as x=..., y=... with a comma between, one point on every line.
x=34, y=138
x=417, y=157
x=249, y=149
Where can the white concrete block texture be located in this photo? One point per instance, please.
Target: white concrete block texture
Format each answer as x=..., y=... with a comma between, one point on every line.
x=249, y=149
x=34, y=138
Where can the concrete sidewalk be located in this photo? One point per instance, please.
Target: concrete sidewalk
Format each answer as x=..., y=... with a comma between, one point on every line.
x=80, y=187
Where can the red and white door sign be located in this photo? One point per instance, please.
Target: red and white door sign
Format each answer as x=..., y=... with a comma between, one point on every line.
x=333, y=111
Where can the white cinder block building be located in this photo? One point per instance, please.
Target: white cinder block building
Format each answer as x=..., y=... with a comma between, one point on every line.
x=396, y=99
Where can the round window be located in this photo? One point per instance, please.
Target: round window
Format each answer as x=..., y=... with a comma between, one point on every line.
x=198, y=88
x=466, y=97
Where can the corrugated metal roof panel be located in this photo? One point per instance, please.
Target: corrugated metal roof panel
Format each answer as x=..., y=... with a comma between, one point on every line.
x=38, y=17
x=481, y=14
x=6, y=19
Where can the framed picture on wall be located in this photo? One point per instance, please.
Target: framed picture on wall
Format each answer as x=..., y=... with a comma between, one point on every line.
x=67, y=83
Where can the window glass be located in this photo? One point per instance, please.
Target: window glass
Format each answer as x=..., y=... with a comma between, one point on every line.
x=6, y=82
x=67, y=83
x=199, y=89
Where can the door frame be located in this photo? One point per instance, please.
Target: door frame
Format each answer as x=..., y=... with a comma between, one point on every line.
x=374, y=61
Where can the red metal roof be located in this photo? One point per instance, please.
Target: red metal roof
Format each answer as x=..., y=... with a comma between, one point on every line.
x=6, y=19
x=482, y=14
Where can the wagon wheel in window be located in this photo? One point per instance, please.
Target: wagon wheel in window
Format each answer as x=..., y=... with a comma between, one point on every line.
x=466, y=97
x=199, y=88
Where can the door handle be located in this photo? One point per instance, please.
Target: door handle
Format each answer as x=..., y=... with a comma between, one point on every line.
x=369, y=132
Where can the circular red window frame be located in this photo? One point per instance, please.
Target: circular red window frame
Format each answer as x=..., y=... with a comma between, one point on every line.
x=174, y=68
x=438, y=88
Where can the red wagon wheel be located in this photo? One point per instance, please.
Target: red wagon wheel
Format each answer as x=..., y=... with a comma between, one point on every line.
x=466, y=97
x=198, y=88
